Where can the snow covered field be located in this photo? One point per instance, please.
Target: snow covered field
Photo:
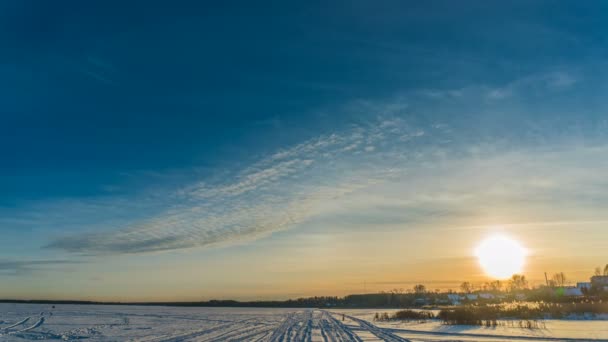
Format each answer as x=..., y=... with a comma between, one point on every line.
x=22, y=322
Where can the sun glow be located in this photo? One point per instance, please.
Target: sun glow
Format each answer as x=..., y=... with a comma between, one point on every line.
x=500, y=256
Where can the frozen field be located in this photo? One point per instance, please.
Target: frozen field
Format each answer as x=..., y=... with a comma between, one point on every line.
x=23, y=322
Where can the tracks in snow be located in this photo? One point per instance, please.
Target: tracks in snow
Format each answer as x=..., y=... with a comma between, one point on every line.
x=238, y=330
x=295, y=326
x=23, y=321
x=32, y=327
x=378, y=332
x=301, y=326
x=335, y=331
x=298, y=326
x=6, y=331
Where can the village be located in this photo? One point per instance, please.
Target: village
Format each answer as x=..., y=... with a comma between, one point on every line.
x=555, y=289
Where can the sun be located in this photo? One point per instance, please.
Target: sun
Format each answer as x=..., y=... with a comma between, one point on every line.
x=500, y=256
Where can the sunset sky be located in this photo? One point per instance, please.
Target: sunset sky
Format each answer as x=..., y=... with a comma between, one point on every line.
x=279, y=150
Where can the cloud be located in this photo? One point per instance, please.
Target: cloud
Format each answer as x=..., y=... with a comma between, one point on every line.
x=370, y=191
x=392, y=170
x=441, y=93
x=523, y=86
x=561, y=80
x=257, y=177
x=277, y=192
x=500, y=93
x=12, y=267
x=535, y=83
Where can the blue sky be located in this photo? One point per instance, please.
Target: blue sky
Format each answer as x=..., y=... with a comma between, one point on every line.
x=201, y=137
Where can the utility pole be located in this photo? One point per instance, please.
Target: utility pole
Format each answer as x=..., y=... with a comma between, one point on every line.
x=546, y=279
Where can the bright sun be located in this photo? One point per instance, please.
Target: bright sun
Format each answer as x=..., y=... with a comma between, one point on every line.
x=500, y=256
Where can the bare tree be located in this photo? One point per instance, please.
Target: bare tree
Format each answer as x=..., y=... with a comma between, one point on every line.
x=598, y=271
x=518, y=282
x=397, y=291
x=606, y=270
x=419, y=288
x=559, y=279
x=495, y=285
x=466, y=287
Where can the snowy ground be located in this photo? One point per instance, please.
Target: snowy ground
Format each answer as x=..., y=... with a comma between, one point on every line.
x=22, y=322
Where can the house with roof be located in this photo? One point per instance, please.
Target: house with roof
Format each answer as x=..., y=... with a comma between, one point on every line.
x=584, y=286
x=454, y=298
x=471, y=296
x=600, y=282
x=570, y=291
x=486, y=296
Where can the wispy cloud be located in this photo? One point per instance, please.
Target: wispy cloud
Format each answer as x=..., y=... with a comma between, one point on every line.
x=389, y=171
x=536, y=83
x=277, y=192
x=13, y=267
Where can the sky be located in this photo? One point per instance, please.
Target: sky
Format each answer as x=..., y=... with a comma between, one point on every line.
x=270, y=150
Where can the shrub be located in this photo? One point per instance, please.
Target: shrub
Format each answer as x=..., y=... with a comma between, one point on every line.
x=527, y=313
x=413, y=315
x=381, y=317
x=404, y=315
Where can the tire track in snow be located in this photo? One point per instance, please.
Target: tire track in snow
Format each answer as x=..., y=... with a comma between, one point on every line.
x=377, y=331
x=241, y=334
x=318, y=324
x=297, y=326
x=284, y=330
x=453, y=335
x=31, y=327
x=23, y=321
x=323, y=334
x=337, y=330
x=196, y=333
x=227, y=325
x=388, y=334
x=305, y=332
x=264, y=337
x=249, y=335
x=27, y=332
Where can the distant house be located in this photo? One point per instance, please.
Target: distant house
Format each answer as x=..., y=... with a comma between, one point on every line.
x=583, y=286
x=442, y=301
x=599, y=281
x=471, y=296
x=520, y=296
x=454, y=298
x=572, y=291
x=421, y=301
x=486, y=296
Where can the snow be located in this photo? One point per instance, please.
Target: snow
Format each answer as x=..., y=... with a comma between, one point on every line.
x=553, y=329
x=26, y=322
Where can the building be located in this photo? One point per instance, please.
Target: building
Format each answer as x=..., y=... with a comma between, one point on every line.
x=454, y=298
x=584, y=286
x=471, y=296
x=599, y=280
x=520, y=296
x=421, y=301
x=572, y=291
